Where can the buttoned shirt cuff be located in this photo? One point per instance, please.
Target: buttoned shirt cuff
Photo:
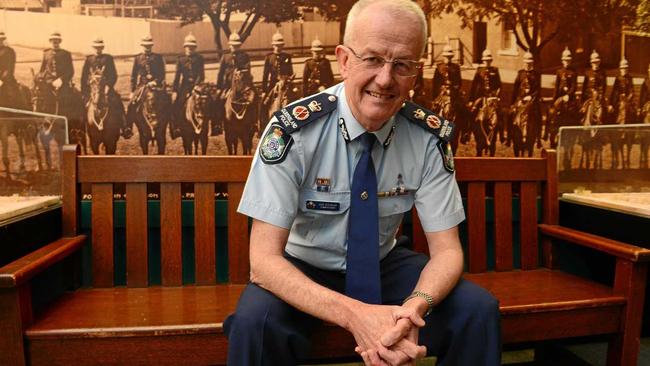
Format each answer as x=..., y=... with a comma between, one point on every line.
x=272, y=215
x=445, y=222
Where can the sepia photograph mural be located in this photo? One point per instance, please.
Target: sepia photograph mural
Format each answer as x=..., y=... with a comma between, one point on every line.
x=202, y=77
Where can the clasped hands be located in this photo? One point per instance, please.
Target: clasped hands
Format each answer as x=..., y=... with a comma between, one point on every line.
x=387, y=335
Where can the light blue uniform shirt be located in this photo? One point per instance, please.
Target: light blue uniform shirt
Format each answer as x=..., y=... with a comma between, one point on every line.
x=309, y=192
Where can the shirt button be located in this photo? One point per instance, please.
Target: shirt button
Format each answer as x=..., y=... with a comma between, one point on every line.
x=364, y=195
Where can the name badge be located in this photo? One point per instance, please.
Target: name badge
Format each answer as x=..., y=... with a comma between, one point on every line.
x=322, y=205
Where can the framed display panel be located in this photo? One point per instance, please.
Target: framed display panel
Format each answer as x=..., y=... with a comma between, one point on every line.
x=30, y=173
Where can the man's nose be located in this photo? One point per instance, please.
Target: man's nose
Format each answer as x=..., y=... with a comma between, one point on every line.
x=384, y=77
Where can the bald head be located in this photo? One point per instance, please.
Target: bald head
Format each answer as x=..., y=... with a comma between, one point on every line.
x=363, y=11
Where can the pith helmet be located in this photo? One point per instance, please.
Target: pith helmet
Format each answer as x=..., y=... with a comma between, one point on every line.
x=55, y=35
x=234, y=39
x=146, y=41
x=595, y=57
x=566, y=54
x=447, y=51
x=487, y=55
x=528, y=57
x=316, y=45
x=277, y=39
x=98, y=42
x=190, y=41
x=623, y=64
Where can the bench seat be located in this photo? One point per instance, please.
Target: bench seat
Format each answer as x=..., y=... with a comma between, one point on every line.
x=128, y=318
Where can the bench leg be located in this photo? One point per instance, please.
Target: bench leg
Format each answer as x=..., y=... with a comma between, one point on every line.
x=630, y=281
x=15, y=309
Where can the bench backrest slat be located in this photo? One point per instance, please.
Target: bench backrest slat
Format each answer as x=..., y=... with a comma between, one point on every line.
x=137, y=267
x=238, y=265
x=170, y=234
x=503, y=225
x=476, y=227
x=528, y=225
x=204, y=234
x=102, y=234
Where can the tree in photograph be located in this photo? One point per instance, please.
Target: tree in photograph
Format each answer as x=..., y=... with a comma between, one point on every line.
x=220, y=11
x=537, y=22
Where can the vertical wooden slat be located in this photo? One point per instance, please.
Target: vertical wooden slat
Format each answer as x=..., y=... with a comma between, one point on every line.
x=102, y=234
x=238, y=237
x=170, y=234
x=70, y=190
x=12, y=351
x=550, y=213
x=136, y=235
x=204, y=234
x=503, y=225
x=419, y=238
x=528, y=225
x=476, y=227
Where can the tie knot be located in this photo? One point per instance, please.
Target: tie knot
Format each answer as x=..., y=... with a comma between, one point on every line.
x=367, y=141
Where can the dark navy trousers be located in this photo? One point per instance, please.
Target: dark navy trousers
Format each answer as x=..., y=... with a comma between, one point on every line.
x=463, y=329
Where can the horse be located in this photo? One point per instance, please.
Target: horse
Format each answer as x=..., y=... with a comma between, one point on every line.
x=523, y=129
x=68, y=103
x=195, y=122
x=278, y=97
x=563, y=112
x=449, y=107
x=103, y=117
x=152, y=117
x=591, y=140
x=486, y=126
x=622, y=142
x=17, y=96
x=240, y=113
x=644, y=138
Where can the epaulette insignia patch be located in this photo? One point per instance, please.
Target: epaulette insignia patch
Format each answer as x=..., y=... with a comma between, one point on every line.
x=447, y=155
x=275, y=145
x=428, y=120
x=297, y=115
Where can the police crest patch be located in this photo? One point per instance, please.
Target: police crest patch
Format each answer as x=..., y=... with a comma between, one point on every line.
x=275, y=145
x=447, y=155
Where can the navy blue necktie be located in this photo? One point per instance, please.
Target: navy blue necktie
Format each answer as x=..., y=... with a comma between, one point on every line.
x=362, y=279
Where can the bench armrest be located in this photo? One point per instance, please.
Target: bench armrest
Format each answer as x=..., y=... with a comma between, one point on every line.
x=613, y=247
x=23, y=269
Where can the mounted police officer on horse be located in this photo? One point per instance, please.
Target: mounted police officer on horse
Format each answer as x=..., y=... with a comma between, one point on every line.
x=486, y=82
x=447, y=74
x=8, y=83
x=525, y=99
x=57, y=69
x=190, y=71
x=317, y=75
x=235, y=60
x=276, y=64
x=595, y=79
x=148, y=70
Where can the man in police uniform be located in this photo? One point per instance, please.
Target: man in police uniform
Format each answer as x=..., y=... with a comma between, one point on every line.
x=56, y=67
x=527, y=89
x=595, y=79
x=623, y=90
x=447, y=73
x=103, y=63
x=317, y=75
x=332, y=178
x=486, y=83
x=8, y=84
x=148, y=70
x=276, y=64
x=235, y=60
x=564, y=96
x=190, y=71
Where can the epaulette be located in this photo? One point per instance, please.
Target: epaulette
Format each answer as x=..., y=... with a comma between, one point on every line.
x=428, y=120
x=301, y=113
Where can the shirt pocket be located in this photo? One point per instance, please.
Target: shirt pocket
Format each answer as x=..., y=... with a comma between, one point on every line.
x=324, y=203
x=394, y=205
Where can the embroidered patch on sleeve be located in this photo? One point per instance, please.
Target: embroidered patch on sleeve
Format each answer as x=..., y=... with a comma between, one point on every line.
x=275, y=145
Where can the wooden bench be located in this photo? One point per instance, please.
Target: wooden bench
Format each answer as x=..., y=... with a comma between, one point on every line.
x=178, y=323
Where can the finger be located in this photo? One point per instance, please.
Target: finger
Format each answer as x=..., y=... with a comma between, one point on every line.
x=410, y=314
x=366, y=359
x=375, y=359
x=392, y=356
x=395, y=333
x=412, y=350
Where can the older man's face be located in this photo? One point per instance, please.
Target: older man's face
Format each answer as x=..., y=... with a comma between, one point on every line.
x=374, y=95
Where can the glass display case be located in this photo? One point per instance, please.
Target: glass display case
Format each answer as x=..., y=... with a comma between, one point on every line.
x=30, y=173
x=606, y=166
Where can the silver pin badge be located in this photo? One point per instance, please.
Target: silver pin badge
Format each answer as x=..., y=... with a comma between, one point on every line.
x=332, y=98
x=364, y=195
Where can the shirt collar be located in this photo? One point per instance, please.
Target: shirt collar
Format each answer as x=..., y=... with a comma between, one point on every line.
x=354, y=128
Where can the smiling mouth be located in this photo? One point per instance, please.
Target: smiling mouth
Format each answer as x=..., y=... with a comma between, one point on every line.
x=381, y=96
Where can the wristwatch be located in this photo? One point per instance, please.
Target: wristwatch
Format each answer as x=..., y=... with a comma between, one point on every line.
x=428, y=298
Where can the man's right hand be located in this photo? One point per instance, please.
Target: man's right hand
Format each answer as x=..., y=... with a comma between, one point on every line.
x=374, y=324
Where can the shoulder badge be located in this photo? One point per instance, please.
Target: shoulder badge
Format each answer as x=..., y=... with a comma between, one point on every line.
x=275, y=145
x=428, y=120
x=447, y=155
x=297, y=115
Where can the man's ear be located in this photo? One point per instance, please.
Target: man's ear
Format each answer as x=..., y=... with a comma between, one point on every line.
x=343, y=59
